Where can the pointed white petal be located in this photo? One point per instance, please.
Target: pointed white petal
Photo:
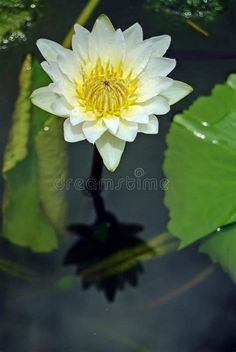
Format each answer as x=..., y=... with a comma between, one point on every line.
x=127, y=131
x=135, y=113
x=48, y=49
x=160, y=45
x=44, y=98
x=118, y=48
x=100, y=40
x=62, y=85
x=106, y=44
x=133, y=35
x=52, y=70
x=93, y=130
x=151, y=127
x=177, y=91
x=105, y=22
x=72, y=133
x=60, y=107
x=67, y=89
x=151, y=87
x=160, y=66
x=66, y=59
x=111, y=150
x=137, y=59
x=69, y=64
x=157, y=105
x=80, y=41
x=77, y=115
x=112, y=123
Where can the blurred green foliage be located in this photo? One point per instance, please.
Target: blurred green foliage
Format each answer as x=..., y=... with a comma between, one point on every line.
x=15, y=17
x=200, y=163
x=35, y=157
x=188, y=8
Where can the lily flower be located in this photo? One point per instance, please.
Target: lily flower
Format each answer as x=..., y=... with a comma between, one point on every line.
x=109, y=86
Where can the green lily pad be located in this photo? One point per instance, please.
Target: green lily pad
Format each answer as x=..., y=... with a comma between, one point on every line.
x=221, y=249
x=200, y=164
x=35, y=157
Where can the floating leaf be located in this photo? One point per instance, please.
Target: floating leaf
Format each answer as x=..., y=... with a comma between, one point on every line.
x=221, y=249
x=35, y=157
x=200, y=164
x=52, y=167
x=16, y=149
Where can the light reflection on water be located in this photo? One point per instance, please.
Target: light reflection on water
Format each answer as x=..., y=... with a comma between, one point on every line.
x=16, y=18
x=206, y=9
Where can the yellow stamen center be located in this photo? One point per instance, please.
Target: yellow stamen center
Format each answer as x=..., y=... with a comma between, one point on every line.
x=105, y=91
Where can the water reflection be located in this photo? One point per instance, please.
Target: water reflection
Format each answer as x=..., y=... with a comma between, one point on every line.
x=95, y=251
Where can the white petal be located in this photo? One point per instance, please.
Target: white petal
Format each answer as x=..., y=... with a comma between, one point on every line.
x=112, y=123
x=127, y=131
x=60, y=107
x=52, y=70
x=73, y=133
x=151, y=128
x=44, y=98
x=105, y=22
x=133, y=35
x=80, y=41
x=65, y=58
x=77, y=115
x=135, y=113
x=100, y=40
x=93, y=130
x=106, y=44
x=67, y=89
x=151, y=87
x=161, y=66
x=157, y=105
x=137, y=59
x=160, y=45
x=48, y=49
x=111, y=150
x=177, y=91
x=62, y=85
x=118, y=48
x=69, y=64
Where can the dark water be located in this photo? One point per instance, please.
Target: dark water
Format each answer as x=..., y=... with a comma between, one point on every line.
x=42, y=317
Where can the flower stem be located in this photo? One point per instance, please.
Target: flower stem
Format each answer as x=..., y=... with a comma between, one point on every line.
x=96, y=172
x=82, y=20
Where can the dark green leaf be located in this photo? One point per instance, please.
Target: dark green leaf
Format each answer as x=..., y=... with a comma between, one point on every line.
x=35, y=157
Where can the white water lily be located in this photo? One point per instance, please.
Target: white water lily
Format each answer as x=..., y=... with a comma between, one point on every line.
x=109, y=86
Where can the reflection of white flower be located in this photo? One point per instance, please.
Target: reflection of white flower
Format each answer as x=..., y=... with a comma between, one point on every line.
x=109, y=86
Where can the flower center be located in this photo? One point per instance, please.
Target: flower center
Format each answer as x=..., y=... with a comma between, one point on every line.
x=105, y=91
